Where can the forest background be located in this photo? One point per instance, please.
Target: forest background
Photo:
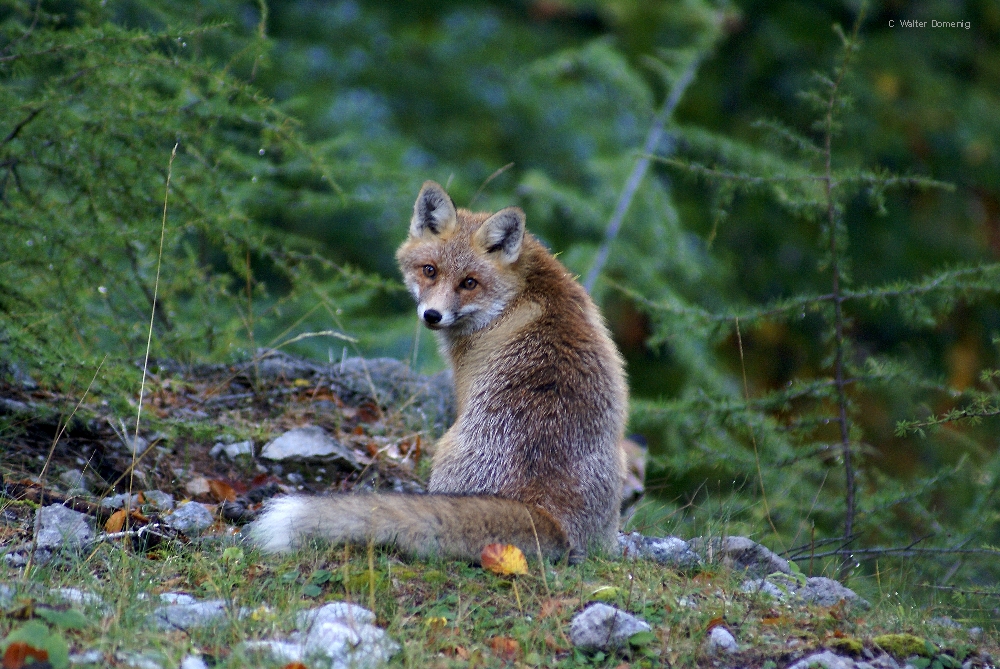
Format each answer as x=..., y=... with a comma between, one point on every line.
x=804, y=281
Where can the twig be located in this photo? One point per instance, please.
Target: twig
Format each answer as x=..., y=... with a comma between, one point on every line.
x=639, y=171
x=838, y=318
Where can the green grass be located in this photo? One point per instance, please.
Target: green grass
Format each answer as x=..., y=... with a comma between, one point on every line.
x=451, y=614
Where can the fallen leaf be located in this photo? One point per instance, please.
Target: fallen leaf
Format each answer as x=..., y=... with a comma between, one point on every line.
x=505, y=648
x=116, y=522
x=504, y=559
x=221, y=491
x=295, y=665
x=554, y=606
x=714, y=622
x=17, y=654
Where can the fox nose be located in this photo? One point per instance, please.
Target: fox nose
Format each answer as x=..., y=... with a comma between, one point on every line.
x=432, y=316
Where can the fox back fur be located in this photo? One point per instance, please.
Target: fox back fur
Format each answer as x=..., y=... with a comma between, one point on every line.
x=533, y=458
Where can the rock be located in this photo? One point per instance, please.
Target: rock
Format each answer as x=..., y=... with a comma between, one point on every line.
x=823, y=591
x=603, y=627
x=61, y=528
x=147, y=660
x=232, y=451
x=118, y=501
x=740, y=553
x=76, y=596
x=193, y=662
x=309, y=443
x=817, y=590
x=92, y=656
x=721, y=642
x=6, y=595
x=197, y=486
x=189, y=518
x=338, y=635
x=160, y=500
x=824, y=660
x=664, y=550
x=74, y=481
x=184, y=613
x=427, y=401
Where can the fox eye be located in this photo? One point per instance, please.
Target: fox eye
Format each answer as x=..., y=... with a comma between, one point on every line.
x=469, y=283
x=430, y=271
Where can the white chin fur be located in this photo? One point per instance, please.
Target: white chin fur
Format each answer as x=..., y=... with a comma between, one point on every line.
x=275, y=529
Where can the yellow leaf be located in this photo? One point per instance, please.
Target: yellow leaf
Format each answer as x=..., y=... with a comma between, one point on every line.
x=504, y=560
x=116, y=522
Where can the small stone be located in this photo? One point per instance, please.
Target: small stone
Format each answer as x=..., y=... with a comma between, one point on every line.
x=603, y=627
x=824, y=660
x=118, y=501
x=721, y=642
x=309, y=443
x=187, y=616
x=232, y=451
x=160, y=500
x=76, y=596
x=189, y=518
x=6, y=595
x=73, y=480
x=61, y=527
x=337, y=634
x=670, y=551
x=740, y=553
x=197, y=486
x=823, y=591
x=193, y=662
x=92, y=656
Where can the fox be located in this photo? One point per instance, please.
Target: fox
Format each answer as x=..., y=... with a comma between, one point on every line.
x=534, y=457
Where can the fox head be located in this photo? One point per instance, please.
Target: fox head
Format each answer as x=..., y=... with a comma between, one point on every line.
x=461, y=267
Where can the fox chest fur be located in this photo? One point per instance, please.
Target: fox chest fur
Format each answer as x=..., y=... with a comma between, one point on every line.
x=540, y=386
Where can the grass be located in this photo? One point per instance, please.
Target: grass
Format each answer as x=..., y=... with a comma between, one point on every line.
x=448, y=614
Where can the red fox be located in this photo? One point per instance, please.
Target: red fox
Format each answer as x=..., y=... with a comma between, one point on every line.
x=533, y=458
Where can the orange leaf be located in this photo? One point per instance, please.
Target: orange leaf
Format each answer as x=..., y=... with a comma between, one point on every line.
x=503, y=560
x=221, y=491
x=714, y=622
x=18, y=652
x=116, y=522
x=505, y=648
x=295, y=665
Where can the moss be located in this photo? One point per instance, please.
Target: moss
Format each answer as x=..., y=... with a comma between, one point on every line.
x=904, y=645
x=847, y=645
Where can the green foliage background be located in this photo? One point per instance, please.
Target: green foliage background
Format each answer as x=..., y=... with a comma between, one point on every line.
x=304, y=129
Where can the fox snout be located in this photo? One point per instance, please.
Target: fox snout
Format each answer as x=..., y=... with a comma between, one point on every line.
x=435, y=319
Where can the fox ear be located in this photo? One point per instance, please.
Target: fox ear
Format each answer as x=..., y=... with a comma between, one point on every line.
x=503, y=232
x=433, y=212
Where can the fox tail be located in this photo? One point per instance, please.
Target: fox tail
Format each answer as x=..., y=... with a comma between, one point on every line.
x=449, y=526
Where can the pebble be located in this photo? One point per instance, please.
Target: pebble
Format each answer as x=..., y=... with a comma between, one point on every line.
x=341, y=635
x=232, y=451
x=603, y=627
x=721, y=642
x=189, y=518
x=309, y=443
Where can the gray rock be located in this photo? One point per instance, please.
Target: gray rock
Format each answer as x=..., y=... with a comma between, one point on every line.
x=92, y=656
x=883, y=661
x=721, y=642
x=233, y=450
x=189, y=518
x=74, y=480
x=193, y=662
x=182, y=614
x=603, y=627
x=664, y=550
x=6, y=595
x=63, y=528
x=427, y=401
x=147, y=660
x=77, y=596
x=309, y=443
x=118, y=501
x=826, y=659
x=740, y=553
x=337, y=635
x=823, y=591
x=817, y=590
x=160, y=500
